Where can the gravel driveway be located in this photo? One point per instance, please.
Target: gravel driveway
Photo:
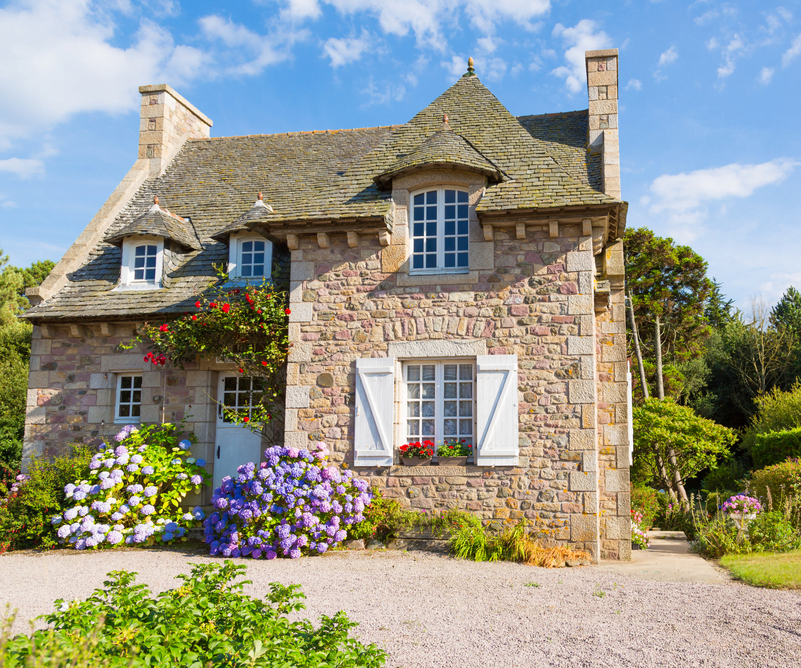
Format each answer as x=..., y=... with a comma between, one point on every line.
x=428, y=611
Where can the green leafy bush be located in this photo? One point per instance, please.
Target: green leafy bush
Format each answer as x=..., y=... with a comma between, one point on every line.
x=26, y=513
x=776, y=411
x=727, y=477
x=674, y=516
x=784, y=478
x=774, y=447
x=773, y=532
x=206, y=621
x=645, y=500
x=134, y=491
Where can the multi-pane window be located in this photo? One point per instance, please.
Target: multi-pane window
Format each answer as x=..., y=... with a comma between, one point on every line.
x=129, y=398
x=439, y=401
x=252, y=259
x=239, y=394
x=440, y=230
x=145, y=262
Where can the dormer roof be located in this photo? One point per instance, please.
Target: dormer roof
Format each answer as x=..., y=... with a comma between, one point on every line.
x=157, y=222
x=259, y=212
x=442, y=149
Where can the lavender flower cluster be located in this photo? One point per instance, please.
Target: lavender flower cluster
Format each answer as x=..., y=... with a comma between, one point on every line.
x=294, y=503
x=118, y=506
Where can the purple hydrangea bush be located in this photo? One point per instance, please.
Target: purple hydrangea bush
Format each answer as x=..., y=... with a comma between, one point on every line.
x=135, y=491
x=294, y=503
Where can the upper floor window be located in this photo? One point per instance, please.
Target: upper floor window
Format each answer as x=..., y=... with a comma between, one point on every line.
x=249, y=257
x=440, y=231
x=142, y=261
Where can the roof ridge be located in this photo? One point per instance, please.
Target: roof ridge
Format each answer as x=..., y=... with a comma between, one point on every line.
x=557, y=113
x=299, y=132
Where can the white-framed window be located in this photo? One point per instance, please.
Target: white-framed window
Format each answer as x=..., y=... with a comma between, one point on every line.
x=398, y=401
x=238, y=393
x=440, y=400
x=128, y=404
x=250, y=257
x=439, y=231
x=142, y=263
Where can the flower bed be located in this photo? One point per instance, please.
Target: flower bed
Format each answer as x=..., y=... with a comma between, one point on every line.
x=294, y=503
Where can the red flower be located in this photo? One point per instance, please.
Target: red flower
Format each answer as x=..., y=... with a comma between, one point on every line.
x=213, y=305
x=197, y=304
x=164, y=327
x=241, y=371
x=263, y=363
x=226, y=308
x=194, y=317
x=246, y=419
x=287, y=311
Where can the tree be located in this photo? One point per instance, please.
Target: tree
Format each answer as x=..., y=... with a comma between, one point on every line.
x=664, y=427
x=15, y=352
x=667, y=292
x=787, y=313
x=718, y=310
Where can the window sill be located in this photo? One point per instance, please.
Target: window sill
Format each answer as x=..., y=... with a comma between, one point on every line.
x=438, y=272
x=127, y=421
x=138, y=286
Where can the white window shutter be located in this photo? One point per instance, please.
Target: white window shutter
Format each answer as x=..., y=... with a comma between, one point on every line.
x=496, y=410
x=375, y=409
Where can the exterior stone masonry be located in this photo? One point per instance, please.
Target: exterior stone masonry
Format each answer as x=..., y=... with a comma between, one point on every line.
x=537, y=302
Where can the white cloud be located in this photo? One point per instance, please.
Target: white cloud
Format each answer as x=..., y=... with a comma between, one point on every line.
x=792, y=53
x=668, y=57
x=249, y=52
x=298, y=10
x=456, y=67
x=389, y=93
x=766, y=74
x=489, y=69
x=635, y=84
x=23, y=168
x=485, y=14
x=59, y=60
x=348, y=50
x=730, y=53
x=774, y=289
x=487, y=44
x=584, y=36
x=8, y=204
x=712, y=44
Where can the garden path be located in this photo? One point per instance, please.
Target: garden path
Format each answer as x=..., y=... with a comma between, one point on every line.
x=429, y=611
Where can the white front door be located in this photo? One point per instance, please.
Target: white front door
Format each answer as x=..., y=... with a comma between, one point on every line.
x=234, y=445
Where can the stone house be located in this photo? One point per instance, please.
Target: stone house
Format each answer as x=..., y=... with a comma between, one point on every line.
x=460, y=275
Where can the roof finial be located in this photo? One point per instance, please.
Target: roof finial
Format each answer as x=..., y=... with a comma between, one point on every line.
x=445, y=124
x=261, y=197
x=156, y=200
x=470, y=71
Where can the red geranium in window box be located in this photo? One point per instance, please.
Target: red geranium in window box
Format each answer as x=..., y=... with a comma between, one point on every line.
x=418, y=453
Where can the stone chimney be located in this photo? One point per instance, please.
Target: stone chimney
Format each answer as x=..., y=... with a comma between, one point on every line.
x=166, y=122
x=602, y=86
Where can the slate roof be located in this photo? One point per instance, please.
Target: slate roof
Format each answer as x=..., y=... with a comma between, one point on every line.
x=331, y=176
x=259, y=212
x=443, y=148
x=158, y=223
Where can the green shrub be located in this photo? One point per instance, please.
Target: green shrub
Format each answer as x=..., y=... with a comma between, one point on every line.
x=25, y=515
x=645, y=500
x=776, y=411
x=383, y=518
x=774, y=447
x=773, y=532
x=673, y=516
x=784, y=478
x=719, y=536
x=206, y=621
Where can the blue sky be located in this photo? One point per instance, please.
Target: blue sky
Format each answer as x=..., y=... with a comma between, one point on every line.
x=709, y=91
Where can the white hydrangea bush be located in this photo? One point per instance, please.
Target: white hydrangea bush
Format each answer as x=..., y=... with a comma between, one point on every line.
x=135, y=490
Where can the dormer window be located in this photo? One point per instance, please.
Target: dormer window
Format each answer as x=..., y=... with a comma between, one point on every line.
x=142, y=263
x=440, y=231
x=250, y=257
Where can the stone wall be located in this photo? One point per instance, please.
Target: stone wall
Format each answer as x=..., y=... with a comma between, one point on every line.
x=536, y=301
x=72, y=390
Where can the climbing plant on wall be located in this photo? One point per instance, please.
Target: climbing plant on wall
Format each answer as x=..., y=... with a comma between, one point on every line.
x=243, y=324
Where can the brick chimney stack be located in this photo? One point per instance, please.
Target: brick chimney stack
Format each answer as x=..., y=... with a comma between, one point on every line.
x=167, y=120
x=602, y=87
